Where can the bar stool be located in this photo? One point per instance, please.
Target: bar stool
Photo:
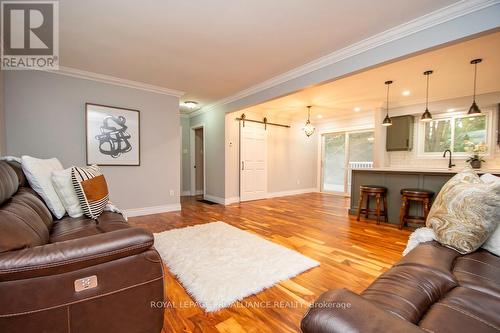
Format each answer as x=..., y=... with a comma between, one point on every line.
x=380, y=193
x=418, y=195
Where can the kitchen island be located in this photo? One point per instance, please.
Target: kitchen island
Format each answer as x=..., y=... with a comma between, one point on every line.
x=395, y=179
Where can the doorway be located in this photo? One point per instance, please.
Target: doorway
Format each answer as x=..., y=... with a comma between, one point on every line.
x=253, y=161
x=197, y=141
x=340, y=153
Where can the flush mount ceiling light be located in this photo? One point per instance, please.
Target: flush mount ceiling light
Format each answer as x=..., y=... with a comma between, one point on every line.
x=406, y=93
x=426, y=116
x=308, y=128
x=357, y=109
x=450, y=110
x=387, y=121
x=191, y=104
x=319, y=116
x=474, y=109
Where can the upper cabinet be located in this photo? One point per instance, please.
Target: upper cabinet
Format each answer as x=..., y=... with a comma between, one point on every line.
x=400, y=134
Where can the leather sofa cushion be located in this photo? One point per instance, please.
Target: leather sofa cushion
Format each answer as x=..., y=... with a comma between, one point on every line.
x=72, y=228
x=18, y=169
x=24, y=222
x=479, y=271
x=408, y=291
x=463, y=310
x=71, y=255
x=8, y=182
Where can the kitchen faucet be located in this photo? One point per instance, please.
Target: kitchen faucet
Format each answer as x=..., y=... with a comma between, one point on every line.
x=449, y=161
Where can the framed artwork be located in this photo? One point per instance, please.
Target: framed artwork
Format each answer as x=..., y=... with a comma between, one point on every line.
x=112, y=135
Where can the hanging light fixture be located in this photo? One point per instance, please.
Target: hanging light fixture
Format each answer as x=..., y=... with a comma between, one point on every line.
x=426, y=116
x=474, y=109
x=308, y=128
x=387, y=121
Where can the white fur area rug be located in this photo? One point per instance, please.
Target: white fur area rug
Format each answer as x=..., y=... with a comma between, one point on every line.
x=219, y=264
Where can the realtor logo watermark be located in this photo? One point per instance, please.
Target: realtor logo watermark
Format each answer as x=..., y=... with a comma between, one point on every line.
x=30, y=35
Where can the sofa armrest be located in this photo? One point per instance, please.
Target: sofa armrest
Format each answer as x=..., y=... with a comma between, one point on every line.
x=342, y=311
x=61, y=257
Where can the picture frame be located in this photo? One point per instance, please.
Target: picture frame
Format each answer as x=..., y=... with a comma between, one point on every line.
x=112, y=135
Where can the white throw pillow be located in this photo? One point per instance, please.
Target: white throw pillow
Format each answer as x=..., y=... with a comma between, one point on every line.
x=492, y=244
x=39, y=174
x=489, y=178
x=66, y=191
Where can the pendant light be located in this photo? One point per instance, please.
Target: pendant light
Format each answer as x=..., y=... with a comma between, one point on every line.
x=387, y=121
x=426, y=116
x=474, y=109
x=308, y=128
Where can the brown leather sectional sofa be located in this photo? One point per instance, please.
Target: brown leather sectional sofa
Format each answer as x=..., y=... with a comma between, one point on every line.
x=75, y=274
x=432, y=289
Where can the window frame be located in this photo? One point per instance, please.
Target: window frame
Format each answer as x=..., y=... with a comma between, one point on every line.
x=488, y=112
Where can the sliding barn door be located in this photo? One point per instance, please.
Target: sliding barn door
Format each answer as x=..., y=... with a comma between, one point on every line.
x=253, y=162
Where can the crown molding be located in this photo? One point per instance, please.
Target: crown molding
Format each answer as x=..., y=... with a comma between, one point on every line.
x=421, y=23
x=184, y=115
x=81, y=74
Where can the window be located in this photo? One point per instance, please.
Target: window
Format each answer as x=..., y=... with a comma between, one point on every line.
x=459, y=133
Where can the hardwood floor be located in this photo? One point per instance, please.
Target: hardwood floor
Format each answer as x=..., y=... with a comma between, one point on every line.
x=352, y=254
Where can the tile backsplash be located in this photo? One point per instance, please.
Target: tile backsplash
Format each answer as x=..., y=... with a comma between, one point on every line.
x=408, y=159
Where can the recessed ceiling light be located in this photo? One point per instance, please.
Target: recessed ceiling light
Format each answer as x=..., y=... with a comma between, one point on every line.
x=319, y=116
x=357, y=109
x=191, y=104
x=406, y=93
x=450, y=110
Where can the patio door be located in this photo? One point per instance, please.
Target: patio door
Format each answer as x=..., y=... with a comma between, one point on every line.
x=341, y=152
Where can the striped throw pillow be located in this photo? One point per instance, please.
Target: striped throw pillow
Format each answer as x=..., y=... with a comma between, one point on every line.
x=91, y=189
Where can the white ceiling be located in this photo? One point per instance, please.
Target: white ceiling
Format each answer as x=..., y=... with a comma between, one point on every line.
x=213, y=49
x=452, y=78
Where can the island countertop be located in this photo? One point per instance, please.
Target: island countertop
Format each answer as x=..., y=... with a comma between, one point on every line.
x=395, y=179
x=454, y=170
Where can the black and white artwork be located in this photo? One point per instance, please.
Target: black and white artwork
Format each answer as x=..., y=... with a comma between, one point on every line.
x=112, y=135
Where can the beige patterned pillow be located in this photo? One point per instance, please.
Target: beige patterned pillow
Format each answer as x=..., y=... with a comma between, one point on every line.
x=466, y=212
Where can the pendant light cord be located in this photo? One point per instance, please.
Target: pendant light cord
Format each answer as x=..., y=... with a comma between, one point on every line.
x=387, y=105
x=475, y=74
x=309, y=113
x=427, y=94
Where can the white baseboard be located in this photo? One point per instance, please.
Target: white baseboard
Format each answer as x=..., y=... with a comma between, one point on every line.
x=185, y=193
x=213, y=198
x=231, y=200
x=291, y=192
x=198, y=192
x=152, y=210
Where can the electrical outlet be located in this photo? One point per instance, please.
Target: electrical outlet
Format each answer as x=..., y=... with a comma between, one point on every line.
x=172, y=193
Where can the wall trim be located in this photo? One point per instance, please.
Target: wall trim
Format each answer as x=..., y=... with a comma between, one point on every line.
x=232, y=200
x=421, y=23
x=152, y=210
x=186, y=193
x=291, y=192
x=103, y=78
x=213, y=198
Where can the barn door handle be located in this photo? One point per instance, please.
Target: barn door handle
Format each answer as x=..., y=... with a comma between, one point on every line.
x=242, y=165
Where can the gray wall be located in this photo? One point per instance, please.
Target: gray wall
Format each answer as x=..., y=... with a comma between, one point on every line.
x=214, y=122
x=2, y=113
x=185, y=156
x=44, y=115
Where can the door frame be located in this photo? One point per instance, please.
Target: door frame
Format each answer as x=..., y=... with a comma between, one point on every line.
x=192, y=145
x=266, y=168
x=321, y=152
